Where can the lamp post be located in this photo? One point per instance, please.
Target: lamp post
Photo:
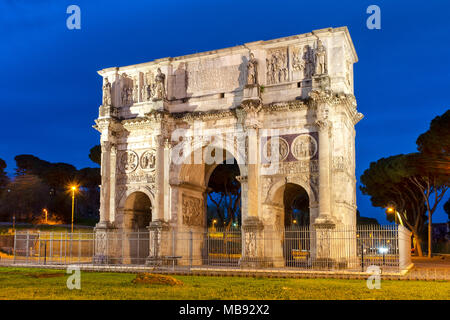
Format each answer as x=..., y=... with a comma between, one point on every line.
x=46, y=214
x=73, y=188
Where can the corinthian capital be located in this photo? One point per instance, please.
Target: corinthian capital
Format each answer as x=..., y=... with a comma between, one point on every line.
x=324, y=124
x=106, y=146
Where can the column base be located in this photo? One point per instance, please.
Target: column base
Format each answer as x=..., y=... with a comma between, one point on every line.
x=256, y=263
x=158, y=238
x=102, y=255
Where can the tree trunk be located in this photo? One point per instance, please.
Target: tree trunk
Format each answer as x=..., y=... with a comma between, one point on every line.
x=418, y=245
x=430, y=233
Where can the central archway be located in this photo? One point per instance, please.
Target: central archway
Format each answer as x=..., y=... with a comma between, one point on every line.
x=217, y=237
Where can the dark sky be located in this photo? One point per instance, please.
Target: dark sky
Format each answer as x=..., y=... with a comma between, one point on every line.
x=50, y=91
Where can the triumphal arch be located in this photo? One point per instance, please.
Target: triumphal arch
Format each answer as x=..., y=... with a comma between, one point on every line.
x=283, y=109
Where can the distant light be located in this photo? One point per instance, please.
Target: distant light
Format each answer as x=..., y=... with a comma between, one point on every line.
x=74, y=188
x=383, y=250
x=294, y=221
x=390, y=209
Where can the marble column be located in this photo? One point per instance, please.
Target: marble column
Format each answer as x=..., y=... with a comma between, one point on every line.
x=105, y=188
x=324, y=126
x=158, y=228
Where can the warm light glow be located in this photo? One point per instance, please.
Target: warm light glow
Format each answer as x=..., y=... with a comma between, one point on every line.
x=74, y=188
x=390, y=210
x=294, y=221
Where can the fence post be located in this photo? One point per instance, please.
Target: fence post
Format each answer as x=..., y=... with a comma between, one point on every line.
x=51, y=245
x=39, y=247
x=362, y=256
x=190, y=250
x=27, y=244
x=15, y=236
x=60, y=247
x=138, y=258
x=79, y=247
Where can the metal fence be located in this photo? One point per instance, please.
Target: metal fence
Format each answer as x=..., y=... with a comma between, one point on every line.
x=303, y=248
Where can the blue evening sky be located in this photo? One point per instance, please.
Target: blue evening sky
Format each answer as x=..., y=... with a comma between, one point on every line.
x=50, y=91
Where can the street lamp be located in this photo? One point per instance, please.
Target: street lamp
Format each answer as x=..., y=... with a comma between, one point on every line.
x=391, y=208
x=73, y=188
x=46, y=213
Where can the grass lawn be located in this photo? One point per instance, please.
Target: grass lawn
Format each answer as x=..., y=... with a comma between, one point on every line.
x=29, y=283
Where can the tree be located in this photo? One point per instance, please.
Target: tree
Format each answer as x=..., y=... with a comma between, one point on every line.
x=436, y=141
x=447, y=208
x=4, y=180
x=365, y=220
x=386, y=181
x=432, y=181
x=95, y=154
x=26, y=198
x=432, y=165
x=58, y=177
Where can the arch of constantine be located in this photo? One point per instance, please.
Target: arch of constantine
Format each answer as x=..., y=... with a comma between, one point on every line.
x=282, y=109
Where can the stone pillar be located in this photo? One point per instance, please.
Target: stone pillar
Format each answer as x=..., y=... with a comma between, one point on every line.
x=107, y=203
x=159, y=228
x=112, y=182
x=105, y=188
x=158, y=206
x=243, y=180
x=253, y=173
x=159, y=242
x=324, y=126
x=252, y=244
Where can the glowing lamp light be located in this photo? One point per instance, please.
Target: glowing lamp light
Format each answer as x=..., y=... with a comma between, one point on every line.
x=294, y=221
x=390, y=210
x=383, y=250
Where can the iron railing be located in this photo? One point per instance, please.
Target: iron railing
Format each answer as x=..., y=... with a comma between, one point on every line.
x=303, y=248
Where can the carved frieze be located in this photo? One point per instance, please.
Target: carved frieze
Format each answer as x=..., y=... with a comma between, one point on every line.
x=304, y=146
x=128, y=161
x=126, y=93
x=192, y=211
x=303, y=62
x=137, y=177
x=283, y=149
x=277, y=66
x=206, y=75
x=148, y=160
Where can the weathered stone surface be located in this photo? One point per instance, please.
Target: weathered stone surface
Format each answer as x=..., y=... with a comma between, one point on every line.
x=160, y=121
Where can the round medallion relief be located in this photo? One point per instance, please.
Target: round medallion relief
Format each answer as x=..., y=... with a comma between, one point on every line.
x=148, y=160
x=283, y=149
x=129, y=161
x=304, y=147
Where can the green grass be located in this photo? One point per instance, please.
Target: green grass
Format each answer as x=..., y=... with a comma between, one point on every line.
x=29, y=283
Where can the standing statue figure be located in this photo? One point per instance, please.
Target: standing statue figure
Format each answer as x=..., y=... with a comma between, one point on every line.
x=320, y=59
x=252, y=70
x=106, y=93
x=160, y=92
